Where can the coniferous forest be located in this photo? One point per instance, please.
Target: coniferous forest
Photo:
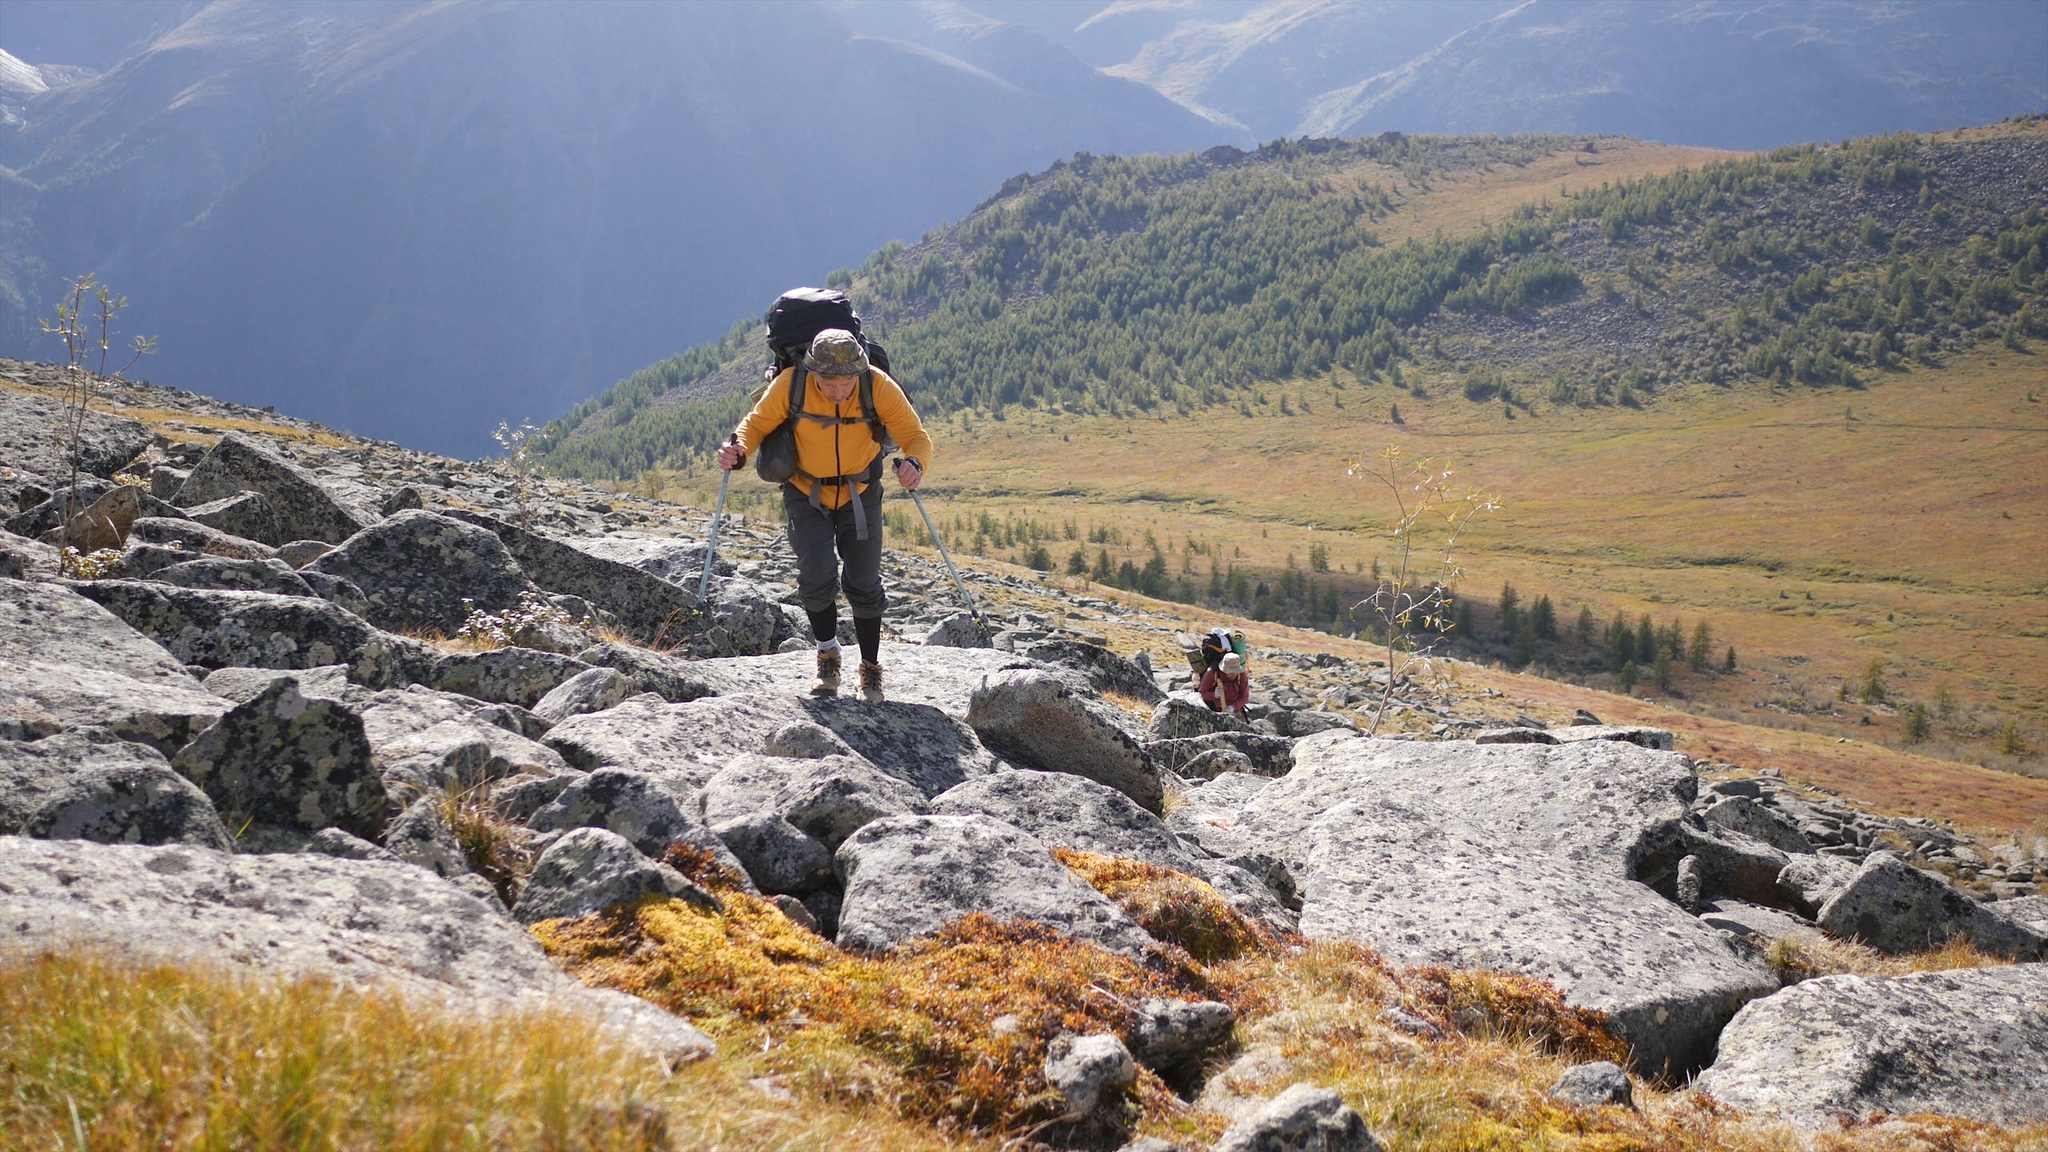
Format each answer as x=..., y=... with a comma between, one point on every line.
x=1168, y=285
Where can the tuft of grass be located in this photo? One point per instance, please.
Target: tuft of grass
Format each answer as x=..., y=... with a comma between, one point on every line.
x=1515, y=1008
x=1803, y=958
x=1174, y=907
x=1483, y=1084
x=1130, y=704
x=100, y=1053
x=495, y=846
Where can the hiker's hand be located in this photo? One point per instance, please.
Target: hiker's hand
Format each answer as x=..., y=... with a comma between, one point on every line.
x=730, y=456
x=909, y=474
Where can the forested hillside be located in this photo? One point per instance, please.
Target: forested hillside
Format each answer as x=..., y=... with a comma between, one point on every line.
x=1169, y=286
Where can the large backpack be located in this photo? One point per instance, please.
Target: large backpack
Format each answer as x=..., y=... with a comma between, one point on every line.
x=1207, y=653
x=796, y=317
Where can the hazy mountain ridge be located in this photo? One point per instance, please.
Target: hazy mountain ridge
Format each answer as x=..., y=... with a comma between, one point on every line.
x=1726, y=73
x=437, y=216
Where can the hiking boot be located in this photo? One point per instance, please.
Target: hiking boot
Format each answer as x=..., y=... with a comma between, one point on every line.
x=871, y=682
x=827, y=683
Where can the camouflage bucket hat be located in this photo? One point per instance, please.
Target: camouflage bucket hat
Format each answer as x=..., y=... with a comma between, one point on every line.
x=836, y=352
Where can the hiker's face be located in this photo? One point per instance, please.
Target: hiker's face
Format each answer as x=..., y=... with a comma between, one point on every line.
x=837, y=388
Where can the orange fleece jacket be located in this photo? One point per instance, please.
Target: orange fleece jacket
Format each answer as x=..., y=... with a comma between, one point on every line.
x=836, y=450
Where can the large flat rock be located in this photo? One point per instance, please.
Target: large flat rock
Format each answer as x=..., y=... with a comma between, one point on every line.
x=360, y=922
x=92, y=786
x=302, y=506
x=66, y=662
x=1038, y=719
x=1895, y=907
x=1518, y=858
x=1971, y=1043
x=909, y=876
x=915, y=743
x=420, y=570
x=1060, y=808
x=216, y=629
x=646, y=606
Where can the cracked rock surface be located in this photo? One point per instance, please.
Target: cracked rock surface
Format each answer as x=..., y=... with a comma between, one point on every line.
x=1515, y=857
x=1964, y=1043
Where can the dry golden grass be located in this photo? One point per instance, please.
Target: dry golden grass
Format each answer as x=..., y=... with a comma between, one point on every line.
x=122, y=400
x=102, y=1055
x=1172, y=906
x=1482, y=1085
x=1130, y=704
x=1468, y=201
x=1805, y=958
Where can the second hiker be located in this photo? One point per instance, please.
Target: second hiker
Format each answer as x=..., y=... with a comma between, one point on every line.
x=1226, y=687
x=849, y=410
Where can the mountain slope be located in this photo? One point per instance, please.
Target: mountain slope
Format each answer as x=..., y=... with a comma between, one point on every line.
x=1728, y=73
x=417, y=219
x=1170, y=285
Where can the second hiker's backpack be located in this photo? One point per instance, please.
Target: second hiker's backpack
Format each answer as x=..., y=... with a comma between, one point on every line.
x=1207, y=652
x=1220, y=643
x=794, y=320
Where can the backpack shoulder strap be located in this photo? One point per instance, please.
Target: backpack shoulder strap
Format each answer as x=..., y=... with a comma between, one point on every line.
x=796, y=390
x=872, y=414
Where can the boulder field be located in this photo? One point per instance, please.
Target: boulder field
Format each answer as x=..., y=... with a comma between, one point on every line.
x=244, y=749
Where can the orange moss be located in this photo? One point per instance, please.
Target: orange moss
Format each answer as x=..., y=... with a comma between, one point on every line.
x=951, y=1027
x=1173, y=906
x=1515, y=1008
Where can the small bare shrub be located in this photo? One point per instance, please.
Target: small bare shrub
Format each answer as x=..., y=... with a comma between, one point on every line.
x=89, y=306
x=1411, y=606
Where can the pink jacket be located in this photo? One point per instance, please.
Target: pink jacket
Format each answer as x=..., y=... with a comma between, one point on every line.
x=1235, y=690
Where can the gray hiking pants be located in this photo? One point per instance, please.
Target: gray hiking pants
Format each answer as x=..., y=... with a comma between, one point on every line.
x=829, y=552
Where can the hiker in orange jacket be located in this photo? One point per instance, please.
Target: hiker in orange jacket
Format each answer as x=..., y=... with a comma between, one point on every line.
x=1227, y=687
x=834, y=502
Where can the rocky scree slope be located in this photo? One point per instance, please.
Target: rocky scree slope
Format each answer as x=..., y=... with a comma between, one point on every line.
x=232, y=735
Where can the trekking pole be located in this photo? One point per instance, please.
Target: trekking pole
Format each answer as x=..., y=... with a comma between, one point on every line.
x=711, y=549
x=972, y=611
